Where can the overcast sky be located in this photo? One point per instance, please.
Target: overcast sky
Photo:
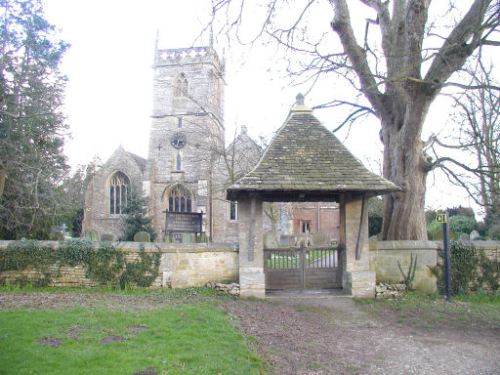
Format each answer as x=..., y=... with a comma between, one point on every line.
x=109, y=93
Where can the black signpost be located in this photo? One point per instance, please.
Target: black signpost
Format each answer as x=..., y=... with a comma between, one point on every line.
x=183, y=222
x=443, y=218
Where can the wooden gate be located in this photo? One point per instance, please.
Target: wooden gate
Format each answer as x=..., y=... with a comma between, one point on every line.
x=302, y=268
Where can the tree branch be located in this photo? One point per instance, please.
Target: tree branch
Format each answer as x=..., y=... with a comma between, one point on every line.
x=462, y=41
x=341, y=25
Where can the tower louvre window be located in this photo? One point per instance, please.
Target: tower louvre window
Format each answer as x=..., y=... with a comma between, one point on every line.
x=179, y=200
x=119, y=190
x=181, y=86
x=178, y=162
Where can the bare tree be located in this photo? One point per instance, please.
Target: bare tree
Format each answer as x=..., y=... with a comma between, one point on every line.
x=399, y=71
x=478, y=120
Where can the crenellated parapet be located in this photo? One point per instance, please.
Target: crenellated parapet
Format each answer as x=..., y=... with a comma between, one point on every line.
x=193, y=55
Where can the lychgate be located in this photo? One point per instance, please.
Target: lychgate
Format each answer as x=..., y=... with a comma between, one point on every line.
x=305, y=162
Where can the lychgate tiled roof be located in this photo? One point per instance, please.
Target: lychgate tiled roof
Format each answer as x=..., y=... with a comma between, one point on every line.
x=304, y=156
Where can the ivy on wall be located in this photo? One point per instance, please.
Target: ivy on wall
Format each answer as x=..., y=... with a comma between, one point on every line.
x=103, y=264
x=471, y=269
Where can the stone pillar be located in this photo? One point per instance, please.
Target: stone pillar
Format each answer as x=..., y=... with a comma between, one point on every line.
x=357, y=279
x=251, y=254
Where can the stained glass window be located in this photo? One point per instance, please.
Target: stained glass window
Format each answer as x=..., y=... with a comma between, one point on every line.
x=119, y=189
x=179, y=200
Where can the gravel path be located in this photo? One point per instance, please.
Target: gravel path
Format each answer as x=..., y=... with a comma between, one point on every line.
x=335, y=335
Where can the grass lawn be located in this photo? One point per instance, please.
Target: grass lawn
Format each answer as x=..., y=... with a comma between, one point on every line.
x=188, y=338
x=431, y=310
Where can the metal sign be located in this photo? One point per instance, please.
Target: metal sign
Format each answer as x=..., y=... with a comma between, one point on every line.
x=442, y=217
x=183, y=222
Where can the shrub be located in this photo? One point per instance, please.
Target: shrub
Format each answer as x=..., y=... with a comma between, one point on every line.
x=435, y=230
x=464, y=266
x=462, y=224
x=430, y=216
x=489, y=272
x=375, y=214
x=141, y=273
x=494, y=232
x=460, y=211
x=105, y=264
x=136, y=218
x=20, y=255
x=374, y=225
x=470, y=269
x=74, y=252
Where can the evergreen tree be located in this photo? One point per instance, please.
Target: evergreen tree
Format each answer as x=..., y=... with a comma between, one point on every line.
x=136, y=219
x=31, y=123
x=72, y=196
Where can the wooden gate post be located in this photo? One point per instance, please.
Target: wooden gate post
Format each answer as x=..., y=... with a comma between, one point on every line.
x=302, y=258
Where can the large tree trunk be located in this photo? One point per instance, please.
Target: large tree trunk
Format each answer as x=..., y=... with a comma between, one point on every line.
x=405, y=165
x=403, y=105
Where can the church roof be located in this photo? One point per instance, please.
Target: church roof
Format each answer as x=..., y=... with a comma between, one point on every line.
x=304, y=157
x=141, y=162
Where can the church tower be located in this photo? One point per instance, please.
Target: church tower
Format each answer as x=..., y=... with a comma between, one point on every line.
x=187, y=132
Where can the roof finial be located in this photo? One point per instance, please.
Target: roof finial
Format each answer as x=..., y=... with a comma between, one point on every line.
x=299, y=104
x=299, y=99
x=211, y=38
x=156, y=44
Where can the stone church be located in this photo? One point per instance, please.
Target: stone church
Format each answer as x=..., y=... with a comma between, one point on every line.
x=189, y=165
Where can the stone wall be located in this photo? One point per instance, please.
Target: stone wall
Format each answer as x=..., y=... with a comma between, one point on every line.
x=181, y=266
x=384, y=257
x=491, y=248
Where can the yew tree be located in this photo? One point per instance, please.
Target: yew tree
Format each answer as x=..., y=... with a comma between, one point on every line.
x=32, y=126
x=399, y=62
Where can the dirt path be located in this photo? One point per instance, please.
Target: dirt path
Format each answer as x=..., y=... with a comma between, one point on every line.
x=335, y=335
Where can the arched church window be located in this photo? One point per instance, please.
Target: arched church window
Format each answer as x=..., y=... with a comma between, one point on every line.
x=119, y=189
x=181, y=85
x=179, y=200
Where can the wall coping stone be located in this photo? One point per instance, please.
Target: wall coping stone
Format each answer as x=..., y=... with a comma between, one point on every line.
x=428, y=245
x=403, y=245
x=486, y=245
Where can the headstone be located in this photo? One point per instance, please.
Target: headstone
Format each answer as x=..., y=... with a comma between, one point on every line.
x=188, y=237
x=142, y=237
x=92, y=235
x=107, y=237
x=474, y=235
